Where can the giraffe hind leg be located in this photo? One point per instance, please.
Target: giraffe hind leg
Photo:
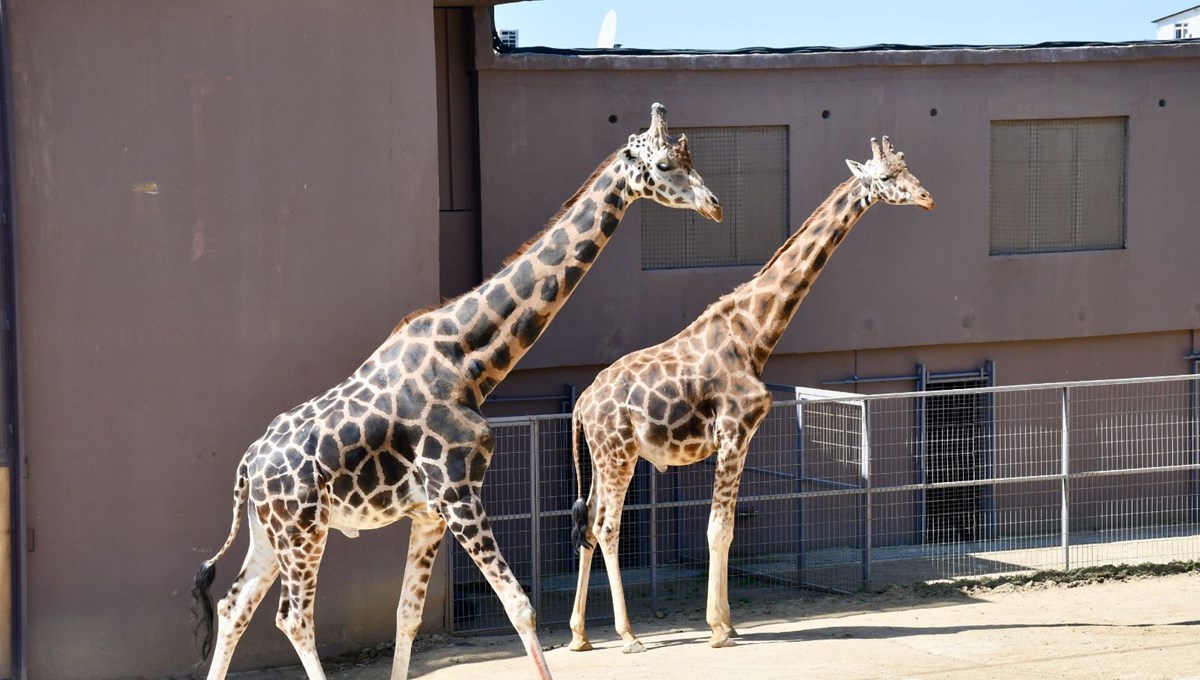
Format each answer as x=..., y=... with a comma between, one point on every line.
x=423, y=543
x=300, y=551
x=606, y=525
x=259, y=571
x=579, y=638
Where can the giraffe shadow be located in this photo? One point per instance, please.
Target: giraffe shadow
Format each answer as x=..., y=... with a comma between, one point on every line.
x=749, y=637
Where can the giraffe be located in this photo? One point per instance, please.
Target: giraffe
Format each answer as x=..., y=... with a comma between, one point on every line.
x=403, y=436
x=701, y=393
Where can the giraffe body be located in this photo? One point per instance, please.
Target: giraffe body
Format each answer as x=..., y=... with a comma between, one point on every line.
x=404, y=437
x=700, y=393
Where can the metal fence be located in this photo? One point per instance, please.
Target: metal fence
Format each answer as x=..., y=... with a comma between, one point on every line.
x=845, y=491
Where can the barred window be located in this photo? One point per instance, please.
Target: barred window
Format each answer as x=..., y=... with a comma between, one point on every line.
x=1057, y=185
x=747, y=169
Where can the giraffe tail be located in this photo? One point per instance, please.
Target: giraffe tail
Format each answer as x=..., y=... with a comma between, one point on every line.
x=579, y=511
x=202, y=602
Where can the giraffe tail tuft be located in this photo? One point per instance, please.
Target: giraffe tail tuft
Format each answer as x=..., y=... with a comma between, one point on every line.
x=202, y=609
x=579, y=511
x=202, y=602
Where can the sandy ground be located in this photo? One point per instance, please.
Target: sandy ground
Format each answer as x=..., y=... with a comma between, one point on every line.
x=1133, y=628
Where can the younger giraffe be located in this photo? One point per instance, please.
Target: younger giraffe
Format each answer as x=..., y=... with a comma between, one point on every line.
x=403, y=435
x=701, y=393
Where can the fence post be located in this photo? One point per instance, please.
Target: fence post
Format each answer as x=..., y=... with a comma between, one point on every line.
x=448, y=551
x=1194, y=444
x=1065, y=484
x=534, y=516
x=800, y=575
x=865, y=445
x=653, y=539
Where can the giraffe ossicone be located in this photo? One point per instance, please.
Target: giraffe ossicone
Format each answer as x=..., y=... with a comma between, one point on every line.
x=701, y=393
x=404, y=437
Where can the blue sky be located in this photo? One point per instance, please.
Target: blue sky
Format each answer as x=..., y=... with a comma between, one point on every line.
x=728, y=24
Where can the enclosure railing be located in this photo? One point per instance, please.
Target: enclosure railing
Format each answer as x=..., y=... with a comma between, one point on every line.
x=844, y=491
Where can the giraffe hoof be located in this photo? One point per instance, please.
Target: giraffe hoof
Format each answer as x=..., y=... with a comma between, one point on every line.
x=580, y=645
x=722, y=640
x=634, y=647
x=733, y=633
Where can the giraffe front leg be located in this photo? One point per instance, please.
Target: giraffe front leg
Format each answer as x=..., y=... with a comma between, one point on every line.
x=720, y=536
x=730, y=462
x=423, y=544
x=469, y=525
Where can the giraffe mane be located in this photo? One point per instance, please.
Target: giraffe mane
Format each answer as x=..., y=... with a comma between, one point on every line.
x=524, y=246
x=562, y=210
x=803, y=227
x=414, y=314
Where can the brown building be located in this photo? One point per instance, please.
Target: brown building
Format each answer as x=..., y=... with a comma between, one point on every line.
x=215, y=210
x=1091, y=144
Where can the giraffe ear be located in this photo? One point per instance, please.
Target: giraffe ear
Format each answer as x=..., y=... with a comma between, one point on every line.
x=858, y=171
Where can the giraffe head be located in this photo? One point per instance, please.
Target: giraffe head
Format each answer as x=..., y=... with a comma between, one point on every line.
x=886, y=177
x=661, y=169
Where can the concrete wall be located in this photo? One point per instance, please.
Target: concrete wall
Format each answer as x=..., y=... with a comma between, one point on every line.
x=221, y=209
x=904, y=278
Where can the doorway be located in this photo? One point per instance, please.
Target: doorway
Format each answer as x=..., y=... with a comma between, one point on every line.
x=955, y=443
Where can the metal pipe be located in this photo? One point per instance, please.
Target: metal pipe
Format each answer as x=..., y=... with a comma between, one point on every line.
x=922, y=515
x=1066, y=470
x=799, y=492
x=653, y=540
x=678, y=520
x=989, y=454
x=897, y=488
x=535, y=516
x=1003, y=388
x=1194, y=437
x=865, y=444
x=852, y=380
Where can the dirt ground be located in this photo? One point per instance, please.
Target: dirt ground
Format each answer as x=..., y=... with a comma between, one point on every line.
x=1128, y=626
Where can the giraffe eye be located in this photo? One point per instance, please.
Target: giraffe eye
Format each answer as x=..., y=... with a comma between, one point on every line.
x=662, y=165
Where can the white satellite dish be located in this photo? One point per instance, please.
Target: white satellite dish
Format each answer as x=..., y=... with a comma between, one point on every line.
x=608, y=31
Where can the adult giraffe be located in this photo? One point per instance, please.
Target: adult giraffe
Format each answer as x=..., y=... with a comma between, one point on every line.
x=403, y=436
x=701, y=392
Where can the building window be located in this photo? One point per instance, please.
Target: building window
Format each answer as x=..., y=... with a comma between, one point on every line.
x=747, y=169
x=1181, y=31
x=1057, y=185
x=509, y=37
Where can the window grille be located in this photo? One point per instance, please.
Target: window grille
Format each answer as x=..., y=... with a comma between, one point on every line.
x=747, y=169
x=1057, y=185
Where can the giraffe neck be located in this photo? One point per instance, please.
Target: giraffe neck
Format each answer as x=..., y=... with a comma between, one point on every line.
x=489, y=329
x=768, y=301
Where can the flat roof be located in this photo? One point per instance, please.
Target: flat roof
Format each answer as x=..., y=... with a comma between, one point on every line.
x=625, y=58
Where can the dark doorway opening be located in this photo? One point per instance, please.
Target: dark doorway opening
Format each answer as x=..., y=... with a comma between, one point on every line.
x=955, y=448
